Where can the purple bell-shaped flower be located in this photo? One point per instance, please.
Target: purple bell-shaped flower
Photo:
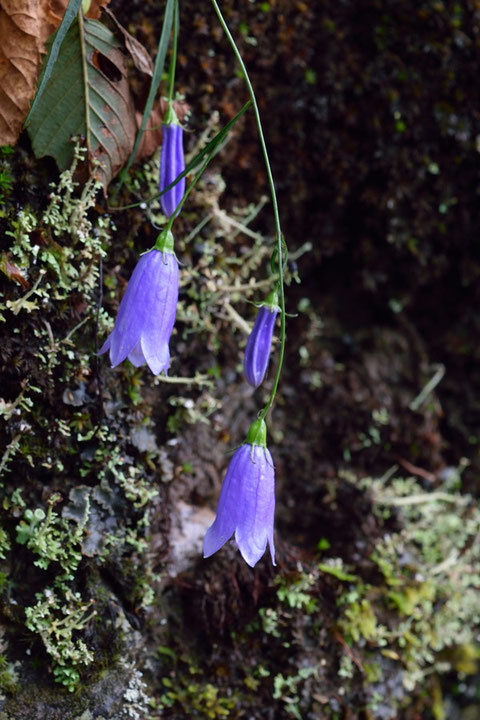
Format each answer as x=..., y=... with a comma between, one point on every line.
x=247, y=501
x=147, y=311
x=172, y=163
x=257, y=351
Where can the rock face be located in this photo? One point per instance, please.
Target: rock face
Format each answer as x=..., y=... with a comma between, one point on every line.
x=110, y=477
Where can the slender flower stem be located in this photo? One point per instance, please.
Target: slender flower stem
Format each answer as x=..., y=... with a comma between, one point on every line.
x=279, y=238
x=173, y=62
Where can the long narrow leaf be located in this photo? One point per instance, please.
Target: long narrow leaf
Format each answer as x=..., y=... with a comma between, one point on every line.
x=156, y=78
x=210, y=149
x=68, y=18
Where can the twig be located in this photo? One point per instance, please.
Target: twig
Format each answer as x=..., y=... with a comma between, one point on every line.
x=236, y=224
x=175, y=379
x=349, y=652
x=429, y=387
x=409, y=467
x=237, y=319
x=419, y=498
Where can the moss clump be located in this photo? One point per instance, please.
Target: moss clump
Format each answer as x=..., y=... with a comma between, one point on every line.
x=423, y=609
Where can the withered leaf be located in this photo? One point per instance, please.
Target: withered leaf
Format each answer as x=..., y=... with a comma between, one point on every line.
x=25, y=26
x=95, y=8
x=13, y=272
x=139, y=54
x=58, y=8
x=20, y=60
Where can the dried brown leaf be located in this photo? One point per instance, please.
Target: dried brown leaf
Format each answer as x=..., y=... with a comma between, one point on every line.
x=139, y=54
x=152, y=137
x=58, y=7
x=25, y=26
x=119, y=128
x=96, y=8
x=20, y=62
x=13, y=272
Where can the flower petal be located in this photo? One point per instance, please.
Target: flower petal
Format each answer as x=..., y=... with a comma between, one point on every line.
x=106, y=345
x=137, y=357
x=246, y=505
x=146, y=314
x=226, y=520
x=158, y=325
x=126, y=333
x=256, y=514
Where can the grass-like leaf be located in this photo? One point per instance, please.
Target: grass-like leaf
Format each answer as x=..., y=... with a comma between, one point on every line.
x=156, y=78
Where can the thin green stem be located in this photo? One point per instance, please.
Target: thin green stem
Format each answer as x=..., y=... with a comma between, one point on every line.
x=156, y=79
x=173, y=61
x=279, y=238
x=81, y=30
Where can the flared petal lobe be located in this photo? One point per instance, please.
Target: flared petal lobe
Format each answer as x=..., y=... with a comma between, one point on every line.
x=257, y=351
x=172, y=163
x=246, y=506
x=146, y=314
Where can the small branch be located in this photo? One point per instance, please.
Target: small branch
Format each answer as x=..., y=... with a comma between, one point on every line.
x=349, y=652
x=429, y=387
x=237, y=319
x=236, y=224
x=175, y=379
x=419, y=499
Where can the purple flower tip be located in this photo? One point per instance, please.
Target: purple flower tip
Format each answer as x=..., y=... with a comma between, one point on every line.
x=146, y=314
x=257, y=351
x=172, y=163
x=246, y=506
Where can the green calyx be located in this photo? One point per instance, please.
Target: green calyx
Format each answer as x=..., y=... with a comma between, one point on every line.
x=257, y=434
x=271, y=301
x=170, y=117
x=164, y=242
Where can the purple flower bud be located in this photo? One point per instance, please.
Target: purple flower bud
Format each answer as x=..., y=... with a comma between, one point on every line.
x=172, y=163
x=247, y=501
x=147, y=313
x=257, y=351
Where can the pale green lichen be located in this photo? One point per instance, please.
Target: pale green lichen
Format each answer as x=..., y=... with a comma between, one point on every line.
x=66, y=267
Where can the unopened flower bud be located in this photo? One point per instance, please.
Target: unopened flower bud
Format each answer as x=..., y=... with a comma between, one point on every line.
x=257, y=351
x=172, y=164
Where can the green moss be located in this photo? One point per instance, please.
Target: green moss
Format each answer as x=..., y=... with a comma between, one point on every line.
x=358, y=618
x=428, y=600
x=55, y=617
x=184, y=692
x=53, y=437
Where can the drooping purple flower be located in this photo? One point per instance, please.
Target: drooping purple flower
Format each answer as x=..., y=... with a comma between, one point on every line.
x=147, y=311
x=257, y=351
x=247, y=500
x=172, y=163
